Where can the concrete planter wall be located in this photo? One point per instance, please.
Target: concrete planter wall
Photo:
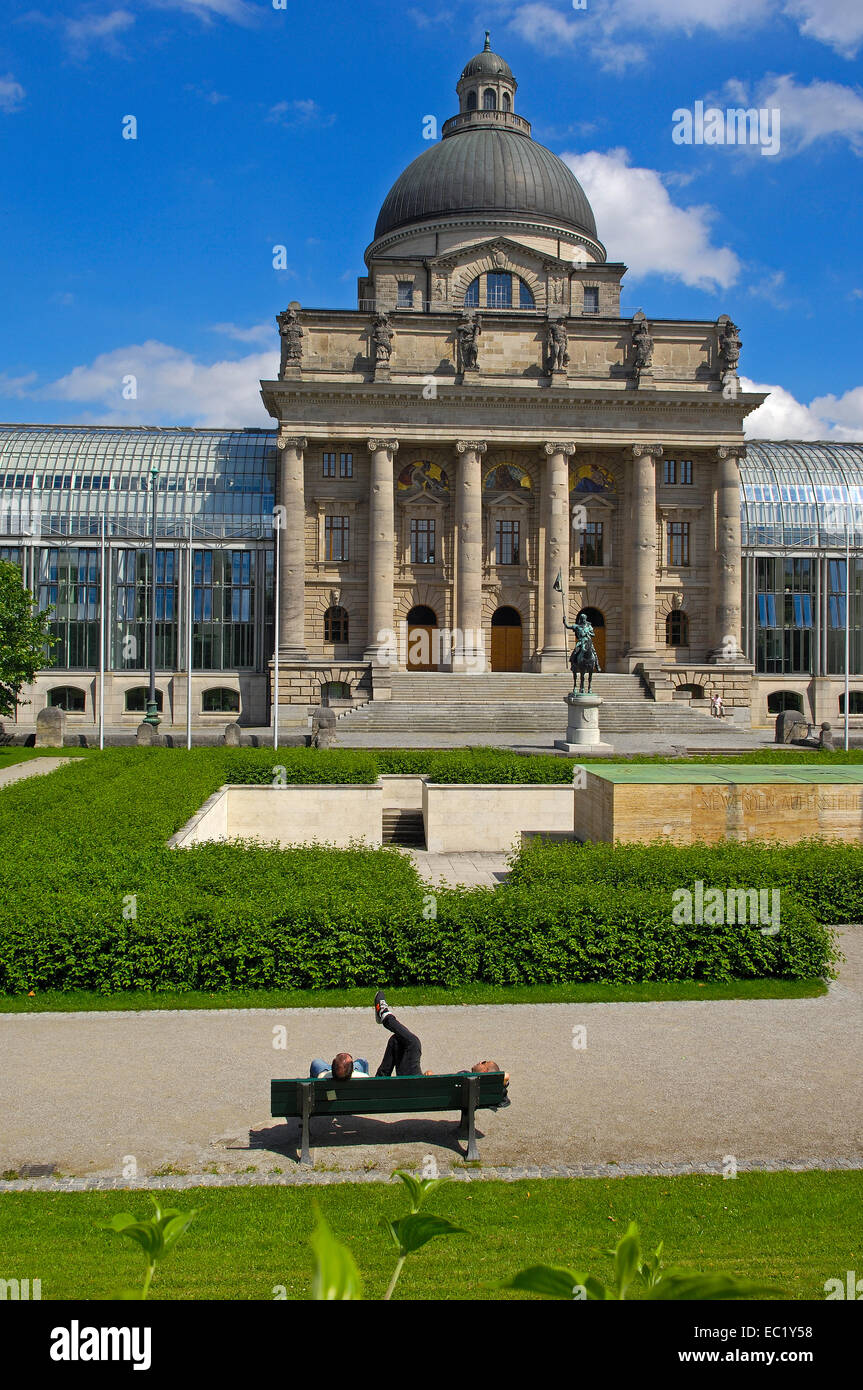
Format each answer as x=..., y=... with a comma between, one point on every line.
x=485, y=816
x=332, y=814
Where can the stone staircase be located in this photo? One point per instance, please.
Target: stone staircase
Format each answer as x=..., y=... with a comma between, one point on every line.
x=402, y=827
x=515, y=703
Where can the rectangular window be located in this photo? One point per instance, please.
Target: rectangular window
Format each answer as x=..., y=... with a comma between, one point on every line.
x=508, y=546
x=591, y=299
x=591, y=544
x=669, y=471
x=336, y=538
x=346, y=465
x=422, y=541
x=678, y=542
x=686, y=472
x=223, y=609
x=406, y=294
x=329, y=465
x=498, y=290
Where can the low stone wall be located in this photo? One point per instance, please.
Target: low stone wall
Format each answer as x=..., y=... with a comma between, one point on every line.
x=682, y=813
x=483, y=816
x=402, y=792
x=327, y=814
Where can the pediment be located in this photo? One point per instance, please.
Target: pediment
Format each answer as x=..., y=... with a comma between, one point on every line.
x=510, y=253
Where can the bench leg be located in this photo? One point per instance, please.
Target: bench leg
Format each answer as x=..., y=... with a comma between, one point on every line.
x=467, y=1127
x=305, y=1126
x=472, y=1150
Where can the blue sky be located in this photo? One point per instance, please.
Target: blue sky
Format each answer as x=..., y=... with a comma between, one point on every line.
x=259, y=126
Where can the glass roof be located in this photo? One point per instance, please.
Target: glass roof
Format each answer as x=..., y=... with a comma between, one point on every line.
x=801, y=495
x=68, y=477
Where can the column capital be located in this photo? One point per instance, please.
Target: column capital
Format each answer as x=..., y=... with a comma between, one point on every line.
x=292, y=441
x=470, y=446
x=727, y=451
x=568, y=449
x=377, y=446
x=654, y=450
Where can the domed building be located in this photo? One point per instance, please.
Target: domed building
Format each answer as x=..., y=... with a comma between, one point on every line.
x=482, y=448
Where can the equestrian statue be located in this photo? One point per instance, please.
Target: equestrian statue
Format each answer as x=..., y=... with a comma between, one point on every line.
x=583, y=660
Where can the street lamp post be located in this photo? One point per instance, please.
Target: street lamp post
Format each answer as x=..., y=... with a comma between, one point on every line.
x=152, y=715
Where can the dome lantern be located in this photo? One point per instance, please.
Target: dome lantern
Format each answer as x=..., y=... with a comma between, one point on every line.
x=486, y=85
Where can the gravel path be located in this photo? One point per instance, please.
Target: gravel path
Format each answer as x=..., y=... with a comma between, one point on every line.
x=661, y=1087
x=34, y=767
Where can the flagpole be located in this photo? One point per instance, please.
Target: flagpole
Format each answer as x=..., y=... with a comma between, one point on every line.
x=276, y=597
x=847, y=626
x=102, y=635
x=189, y=644
x=558, y=584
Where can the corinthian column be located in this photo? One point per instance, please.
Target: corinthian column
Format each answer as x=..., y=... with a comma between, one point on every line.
x=469, y=653
x=727, y=561
x=379, y=638
x=642, y=616
x=292, y=548
x=557, y=532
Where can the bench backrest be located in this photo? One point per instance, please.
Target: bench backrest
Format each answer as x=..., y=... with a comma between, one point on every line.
x=384, y=1094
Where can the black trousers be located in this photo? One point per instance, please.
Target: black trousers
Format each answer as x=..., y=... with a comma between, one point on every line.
x=404, y=1051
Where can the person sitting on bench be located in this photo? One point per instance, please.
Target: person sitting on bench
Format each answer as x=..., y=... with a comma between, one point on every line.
x=343, y=1067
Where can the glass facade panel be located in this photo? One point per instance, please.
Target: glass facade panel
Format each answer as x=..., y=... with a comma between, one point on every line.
x=223, y=610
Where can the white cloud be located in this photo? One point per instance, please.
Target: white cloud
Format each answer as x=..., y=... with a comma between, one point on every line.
x=258, y=333
x=782, y=416
x=303, y=112
x=688, y=15
x=637, y=218
x=90, y=30
x=11, y=93
x=173, y=387
x=838, y=23
x=237, y=10
x=815, y=111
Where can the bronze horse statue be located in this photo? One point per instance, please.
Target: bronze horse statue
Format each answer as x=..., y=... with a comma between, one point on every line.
x=583, y=660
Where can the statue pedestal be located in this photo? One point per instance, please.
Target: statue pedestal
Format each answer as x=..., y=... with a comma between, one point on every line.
x=582, y=726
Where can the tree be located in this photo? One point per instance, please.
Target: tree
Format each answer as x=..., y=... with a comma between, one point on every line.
x=24, y=635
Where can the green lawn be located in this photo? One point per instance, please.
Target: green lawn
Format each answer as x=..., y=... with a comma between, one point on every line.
x=795, y=1230
x=79, y=1001
x=8, y=756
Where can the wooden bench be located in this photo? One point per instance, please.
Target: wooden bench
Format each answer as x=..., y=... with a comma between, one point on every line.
x=302, y=1097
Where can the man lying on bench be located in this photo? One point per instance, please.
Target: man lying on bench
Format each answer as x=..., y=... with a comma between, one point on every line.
x=403, y=1054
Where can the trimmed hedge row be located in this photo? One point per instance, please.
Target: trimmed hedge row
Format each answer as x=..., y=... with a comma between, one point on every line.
x=505, y=937
x=258, y=767
x=824, y=877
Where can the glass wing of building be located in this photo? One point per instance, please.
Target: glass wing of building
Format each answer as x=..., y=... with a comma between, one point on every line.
x=63, y=488
x=801, y=508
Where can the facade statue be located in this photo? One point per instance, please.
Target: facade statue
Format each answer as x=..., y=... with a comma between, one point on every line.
x=382, y=337
x=642, y=344
x=729, y=348
x=291, y=333
x=583, y=661
x=467, y=332
x=556, y=343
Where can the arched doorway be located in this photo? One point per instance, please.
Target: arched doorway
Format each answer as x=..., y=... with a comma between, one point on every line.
x=506, y=646
x=423, y=638
x=597, y=620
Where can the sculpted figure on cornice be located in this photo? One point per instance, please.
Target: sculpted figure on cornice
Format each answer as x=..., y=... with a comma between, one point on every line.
x=291, y=334
x=556, y=343
x=642, y=344
x=729, y=347
x=382, y=337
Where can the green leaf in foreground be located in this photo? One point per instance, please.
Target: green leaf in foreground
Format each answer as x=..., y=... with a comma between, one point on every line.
x=336, y=1278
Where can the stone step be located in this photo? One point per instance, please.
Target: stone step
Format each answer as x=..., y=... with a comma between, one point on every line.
x=402, y=827
x=448, y=716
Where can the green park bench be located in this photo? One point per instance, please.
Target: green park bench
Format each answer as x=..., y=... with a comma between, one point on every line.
x=301, y=1098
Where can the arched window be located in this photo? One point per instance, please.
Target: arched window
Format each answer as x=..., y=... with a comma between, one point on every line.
x=502, y=291
x=68, y=698
x=471, y=101
x=220, y=700
x=136, y=700
x=489, y=99
x=336, y=690
x=689, y=692
x=677, y=629
x=507, y=102
x=336, y=625
x=779, y=700
x=471, y=295
x=855, y=702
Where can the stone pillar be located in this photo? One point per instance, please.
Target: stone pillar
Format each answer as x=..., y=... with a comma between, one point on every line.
x=292, y=549
x=469, y=654
x=379, y=640
x=557, y=534
x=642, y=616
x=727, y=557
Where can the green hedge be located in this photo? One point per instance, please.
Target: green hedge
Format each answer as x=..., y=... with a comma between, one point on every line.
x=91, y=898
x=257, y=766
x=824, y=877
x=503, y=937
